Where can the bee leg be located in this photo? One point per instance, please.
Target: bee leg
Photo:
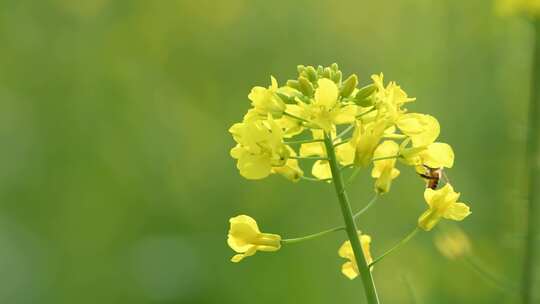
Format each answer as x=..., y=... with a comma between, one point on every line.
x=446, y=179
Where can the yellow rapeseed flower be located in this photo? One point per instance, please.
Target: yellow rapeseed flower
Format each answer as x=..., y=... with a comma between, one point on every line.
x=421, y=128
x=245, y=238
x=384, y=170
x=442, y=204
x=325, y=111
x=260, y=147
x=366, y=140
x=350, y=268
x=388, y=100
x=266, y=101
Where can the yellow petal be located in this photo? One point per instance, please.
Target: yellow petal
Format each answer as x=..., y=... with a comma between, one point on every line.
x=345, y=153
x=457, y=212
x=423, y=129
x=428, y=220
x=321, y=169
x=327, y=93
x=346, y=115
x=349, y=270
x=312, y=149
x=254, y=166
x=239, y=257
x=429, y=195
x=438, y=155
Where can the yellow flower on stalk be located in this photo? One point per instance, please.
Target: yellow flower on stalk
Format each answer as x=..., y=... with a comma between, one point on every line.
x=453, y=243
x=435, y=155
x=350, y=268
x=266, y=101
x=366, y=139
x=442, y=204
x=389, y=99
x=245, y=238
x=260, y=147
x=384, y=170
x=326, y=111
x=421, y=128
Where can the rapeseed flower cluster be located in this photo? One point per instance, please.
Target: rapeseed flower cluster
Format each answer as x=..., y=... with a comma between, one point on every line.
x=369, y=127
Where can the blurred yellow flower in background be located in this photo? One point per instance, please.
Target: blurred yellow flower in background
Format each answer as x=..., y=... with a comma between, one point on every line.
x=452, y=242
x=350, y=268
x=513, y=7
x=245, y=238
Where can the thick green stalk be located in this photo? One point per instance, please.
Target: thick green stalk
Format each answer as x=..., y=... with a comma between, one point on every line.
x=350, y=226
x=530, y=265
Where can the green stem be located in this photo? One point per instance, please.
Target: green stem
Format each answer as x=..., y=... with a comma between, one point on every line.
x=311, y=236
x=385, y=157
x=401, y=243
x=533, y=165
x=371, y=202
x=318, y=234
x=366, y=112
x=344, y=132
x=345, y=141
x=487, y=275
x=295, y=117
x=350, y=225
x=410, y=289
x=352, y=176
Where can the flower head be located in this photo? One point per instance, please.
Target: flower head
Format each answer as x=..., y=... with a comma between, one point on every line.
x=266, y=101
x=246, y=239
x=326, y=109
x=421, y=128
x=442, y=204
x=350, y=268
x=366, y=139
x=435, y=155
x=259, y=147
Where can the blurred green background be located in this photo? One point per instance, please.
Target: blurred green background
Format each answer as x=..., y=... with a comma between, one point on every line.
x=116, y=183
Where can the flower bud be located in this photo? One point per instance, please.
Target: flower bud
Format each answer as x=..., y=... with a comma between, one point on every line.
x=327, y=73
x=293, y=84
x=311, y=74
x=336, y=77
x=364, y=95
x=305, y=86
x=349, y=85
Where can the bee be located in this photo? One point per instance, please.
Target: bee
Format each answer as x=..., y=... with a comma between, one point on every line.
x=432, y=176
